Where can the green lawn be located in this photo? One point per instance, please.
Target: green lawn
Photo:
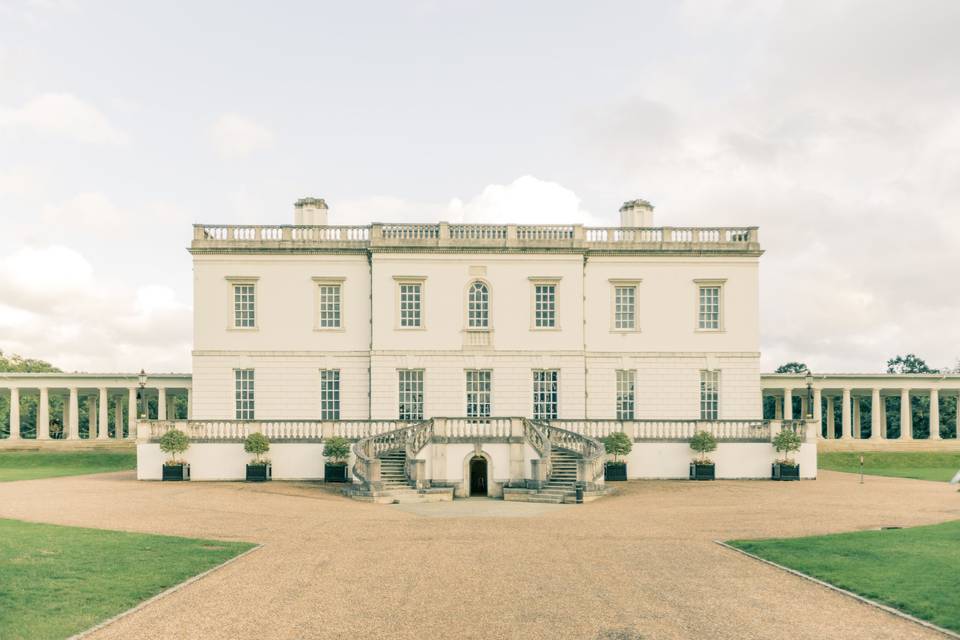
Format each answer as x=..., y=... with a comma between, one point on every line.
x=29, y=465
x=57, y=581
x=922, y=465
x=916, y=570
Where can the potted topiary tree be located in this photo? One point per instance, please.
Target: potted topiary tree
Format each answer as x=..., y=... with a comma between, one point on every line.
x=617, y=444
x=786, y=442
x=702, y=468
x=337, y=451
x=175, y=442
x=259, y=469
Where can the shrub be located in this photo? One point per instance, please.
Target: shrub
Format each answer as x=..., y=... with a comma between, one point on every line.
x=786, y=442
x=174, y=442
x=617, y=444
x=257, y=444
x=337, y=449
x=703, y=443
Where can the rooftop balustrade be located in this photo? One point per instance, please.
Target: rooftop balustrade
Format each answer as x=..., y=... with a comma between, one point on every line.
x=212, y=237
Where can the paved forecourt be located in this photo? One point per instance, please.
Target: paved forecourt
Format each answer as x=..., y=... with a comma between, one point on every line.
x=640, y=563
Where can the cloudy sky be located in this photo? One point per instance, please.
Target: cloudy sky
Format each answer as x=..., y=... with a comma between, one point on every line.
x=834, y=126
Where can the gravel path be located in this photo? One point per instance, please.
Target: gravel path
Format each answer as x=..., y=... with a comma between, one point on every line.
x=641, y=564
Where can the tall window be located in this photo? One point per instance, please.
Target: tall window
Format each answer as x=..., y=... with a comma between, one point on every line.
x=545, y=305
x=330, y=394
x=411, y=295
x=709, y=313
x=709, y=395
x=625, y=307
x=478, y=393
x=411, y=394
x=329, y=306
x=545, y=394
x=478, y=306
x=243, y=394
x=626, y=399
x=244, y=306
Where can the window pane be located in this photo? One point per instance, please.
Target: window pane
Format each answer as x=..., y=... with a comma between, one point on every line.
x=410, y=297
x=545, y=305
x=709, y=316
x=329, y=306
x=625, y=394
x=411, y=394
x=709, y=395
x=243, y=305
x=243, y=393
x=478, y=306
x=545, y=394
x=625, y=307
x=330, y=394
x=478, y=393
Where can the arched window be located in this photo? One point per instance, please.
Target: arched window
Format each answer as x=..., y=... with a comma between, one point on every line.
x=478, y=306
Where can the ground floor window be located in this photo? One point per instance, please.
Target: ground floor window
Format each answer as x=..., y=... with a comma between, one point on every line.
x=626, y=383
x=330, y=394
x=411, y=394
x=243, y=393
x=709, y=395
x=478, y=393
x=545, y=394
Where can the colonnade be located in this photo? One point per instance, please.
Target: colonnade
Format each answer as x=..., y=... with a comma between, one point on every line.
x=876, y=394
x=97, y=395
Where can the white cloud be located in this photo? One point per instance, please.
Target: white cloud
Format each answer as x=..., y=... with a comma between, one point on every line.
x=85, y=210
x=62, y=114
x=236, y=136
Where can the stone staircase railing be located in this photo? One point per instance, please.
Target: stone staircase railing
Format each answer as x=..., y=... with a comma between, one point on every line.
x=591, y=451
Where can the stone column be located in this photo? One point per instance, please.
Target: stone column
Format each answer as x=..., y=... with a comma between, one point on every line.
x=831, y=418
x=132, y=410
x=875, y=429
x=74, y=433
x=189, y=404
x=788, y=404
x=171, y=407
x=91, y=418
x=14, y=413
x=43, y=415
x=818, y=411
x=857, y=426
x=777, y=408
x=65, y=418
x=906, y=416
x=118, y=417
x=934, y=414
x=845, y=424
x=161, y=404
x=102, y=414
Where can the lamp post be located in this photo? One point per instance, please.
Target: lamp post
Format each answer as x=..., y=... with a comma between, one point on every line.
x=142, y=380
x=809, y=380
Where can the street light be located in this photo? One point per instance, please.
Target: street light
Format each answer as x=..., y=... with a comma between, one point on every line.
x=143, y=397
x=809, y=379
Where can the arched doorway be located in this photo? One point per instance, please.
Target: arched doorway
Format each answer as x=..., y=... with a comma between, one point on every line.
x=478, y=476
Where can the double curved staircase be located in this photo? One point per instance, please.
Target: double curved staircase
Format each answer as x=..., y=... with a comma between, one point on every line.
x=386, y=468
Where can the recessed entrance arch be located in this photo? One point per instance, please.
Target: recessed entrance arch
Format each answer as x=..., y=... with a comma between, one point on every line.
x=478, y=476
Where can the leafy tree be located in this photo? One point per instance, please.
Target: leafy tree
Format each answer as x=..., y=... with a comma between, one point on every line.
x=18, y=364
x=617, y=444
x=703, y=443
x=909, y=364
x=174, y=442
x=786, y=442
x=337, y=449
x=792, y=367
x=257, y=444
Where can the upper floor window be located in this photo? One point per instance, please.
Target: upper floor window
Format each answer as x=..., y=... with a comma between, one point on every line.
x=545, y=394
x=478, y=393
x=709, y=395
x=243, y=393
x=626, y=398
x=478, y=306
x=329, y=394
x=410, y=303
x=244, y=305
x=329, y=309
x=411, y=394
x=545, y=305
x=624, y=305
x=709, y=305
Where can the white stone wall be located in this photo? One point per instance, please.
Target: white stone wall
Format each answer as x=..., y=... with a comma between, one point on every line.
x=734, y=460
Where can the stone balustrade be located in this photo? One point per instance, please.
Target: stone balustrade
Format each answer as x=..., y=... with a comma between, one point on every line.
x=441, y=235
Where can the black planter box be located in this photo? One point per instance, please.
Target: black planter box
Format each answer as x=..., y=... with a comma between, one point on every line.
x=259, y=472
x=784, y=472
x=615, y=472
x=176, y=472
x=702, y=471
x=335, y=473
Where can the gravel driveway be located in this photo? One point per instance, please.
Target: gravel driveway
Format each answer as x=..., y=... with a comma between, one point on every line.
x=641, y=564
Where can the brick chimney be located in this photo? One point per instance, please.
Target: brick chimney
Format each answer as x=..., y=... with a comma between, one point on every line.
x=310, y=212
x=636, y=213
